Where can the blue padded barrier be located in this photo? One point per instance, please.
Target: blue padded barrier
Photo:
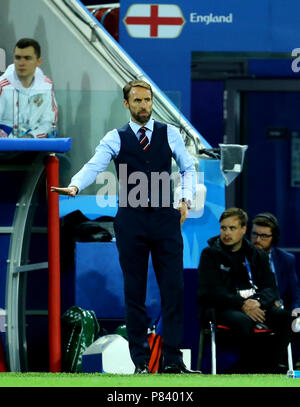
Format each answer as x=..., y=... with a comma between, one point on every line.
x=91, y=206
x=58, y=145
x=99, y=281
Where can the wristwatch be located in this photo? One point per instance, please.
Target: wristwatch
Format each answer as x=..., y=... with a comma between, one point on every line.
x=187, y=201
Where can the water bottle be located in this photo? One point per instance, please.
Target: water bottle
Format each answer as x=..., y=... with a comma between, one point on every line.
x=293, y=374
x=296, y=325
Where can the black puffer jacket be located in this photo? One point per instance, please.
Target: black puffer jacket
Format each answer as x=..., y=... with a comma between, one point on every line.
x=217, y=287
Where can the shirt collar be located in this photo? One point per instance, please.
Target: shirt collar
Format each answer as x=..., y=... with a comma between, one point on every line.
x=135, y=127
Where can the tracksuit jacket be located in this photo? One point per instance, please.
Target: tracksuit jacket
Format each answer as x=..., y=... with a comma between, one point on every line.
x=217, y=285
x=27, y=110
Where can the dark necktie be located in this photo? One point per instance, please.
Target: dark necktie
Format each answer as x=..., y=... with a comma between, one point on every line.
x=144, y=141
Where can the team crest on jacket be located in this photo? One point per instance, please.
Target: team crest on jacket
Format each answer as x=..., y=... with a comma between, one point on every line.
x=224, y=268
x=38, y=100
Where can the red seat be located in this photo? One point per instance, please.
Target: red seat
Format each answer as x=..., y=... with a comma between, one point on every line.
x=109, y=18
x=256, y=330
x=2, y=358
x=211, y=330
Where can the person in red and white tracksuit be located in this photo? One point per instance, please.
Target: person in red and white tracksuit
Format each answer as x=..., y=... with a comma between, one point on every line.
x=27, y=102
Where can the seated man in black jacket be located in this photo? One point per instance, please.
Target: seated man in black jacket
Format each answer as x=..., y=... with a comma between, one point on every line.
x=236, y=280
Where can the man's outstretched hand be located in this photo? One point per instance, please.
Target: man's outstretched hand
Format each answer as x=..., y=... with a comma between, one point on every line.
x=71, y=190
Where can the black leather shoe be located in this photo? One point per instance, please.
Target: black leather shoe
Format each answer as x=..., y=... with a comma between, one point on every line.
x=141, y=369
x=179, y=368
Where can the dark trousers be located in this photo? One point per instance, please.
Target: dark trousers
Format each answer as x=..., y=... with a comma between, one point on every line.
x=139, y=232
x=277, y=319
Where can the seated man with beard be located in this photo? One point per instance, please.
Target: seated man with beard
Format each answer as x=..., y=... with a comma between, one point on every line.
x=236, y=280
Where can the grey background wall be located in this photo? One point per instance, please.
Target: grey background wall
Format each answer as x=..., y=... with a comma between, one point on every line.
x=89, y=100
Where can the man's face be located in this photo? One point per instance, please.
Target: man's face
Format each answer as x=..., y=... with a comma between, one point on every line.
x=261, y=237
x=232, y=232
x=139, y=104
x=26, y=62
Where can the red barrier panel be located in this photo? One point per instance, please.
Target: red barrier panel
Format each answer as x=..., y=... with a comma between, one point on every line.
x=52, y=173
x=2, y=358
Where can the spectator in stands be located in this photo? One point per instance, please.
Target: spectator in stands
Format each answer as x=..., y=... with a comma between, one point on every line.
x=149, y=224
x=27, y=102
x=236, y=280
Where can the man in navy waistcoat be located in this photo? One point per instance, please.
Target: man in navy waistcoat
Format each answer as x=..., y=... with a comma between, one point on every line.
x=147, y=221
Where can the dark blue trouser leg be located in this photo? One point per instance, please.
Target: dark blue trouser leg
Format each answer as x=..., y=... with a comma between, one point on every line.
x=138, y=233
x=167, y=258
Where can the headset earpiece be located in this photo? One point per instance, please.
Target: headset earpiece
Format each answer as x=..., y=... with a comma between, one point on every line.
x=275, y=229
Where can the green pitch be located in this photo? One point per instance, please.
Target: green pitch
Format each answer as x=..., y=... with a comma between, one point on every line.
x=155, y=381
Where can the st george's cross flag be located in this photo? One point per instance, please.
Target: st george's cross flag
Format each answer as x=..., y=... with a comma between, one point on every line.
x=154, y=20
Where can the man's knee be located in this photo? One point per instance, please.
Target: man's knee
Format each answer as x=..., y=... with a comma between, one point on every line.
x=279, y=319
x=240, y=323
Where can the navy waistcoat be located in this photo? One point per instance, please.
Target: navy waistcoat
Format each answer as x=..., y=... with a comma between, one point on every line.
x=144, y=176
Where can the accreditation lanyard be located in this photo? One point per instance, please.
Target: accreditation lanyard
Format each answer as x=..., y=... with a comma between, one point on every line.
x=16, y=100
x=273, y=267
x=248, y=268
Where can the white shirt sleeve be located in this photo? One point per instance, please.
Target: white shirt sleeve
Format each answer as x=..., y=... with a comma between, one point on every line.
x=107, y=150
x=184, y=161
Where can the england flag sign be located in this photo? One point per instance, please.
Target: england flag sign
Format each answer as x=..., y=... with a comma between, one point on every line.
x=154, y=21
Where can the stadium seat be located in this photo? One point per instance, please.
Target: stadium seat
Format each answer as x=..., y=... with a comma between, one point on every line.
x=109, y=18
x=2, y=357
x=211, y=328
